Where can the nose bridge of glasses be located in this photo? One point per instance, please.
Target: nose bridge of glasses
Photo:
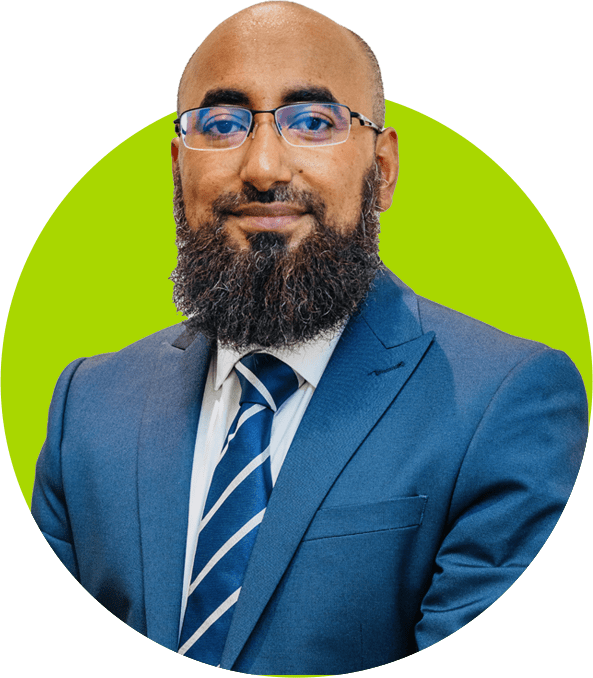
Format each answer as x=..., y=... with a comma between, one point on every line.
x=256, y=121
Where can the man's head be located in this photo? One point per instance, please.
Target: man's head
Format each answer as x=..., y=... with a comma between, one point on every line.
x=267, y=200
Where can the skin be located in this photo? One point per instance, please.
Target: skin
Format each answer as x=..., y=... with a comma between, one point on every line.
x=266, y=53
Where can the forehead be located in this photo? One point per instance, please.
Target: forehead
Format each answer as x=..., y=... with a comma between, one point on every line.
x=266, y=61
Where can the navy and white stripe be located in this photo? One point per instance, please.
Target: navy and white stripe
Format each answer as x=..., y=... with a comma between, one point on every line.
x=234, y=509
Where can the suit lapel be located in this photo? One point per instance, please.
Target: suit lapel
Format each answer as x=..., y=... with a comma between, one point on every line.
x=376, y=355
x=165, y=455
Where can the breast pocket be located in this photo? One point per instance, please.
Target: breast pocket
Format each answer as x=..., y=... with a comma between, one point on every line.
x=339, y=521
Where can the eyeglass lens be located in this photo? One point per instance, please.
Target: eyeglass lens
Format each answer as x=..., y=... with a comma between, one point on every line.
x=224, y=127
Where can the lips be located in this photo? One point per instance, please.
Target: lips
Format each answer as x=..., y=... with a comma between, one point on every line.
x=271, y=210
x=272, y=216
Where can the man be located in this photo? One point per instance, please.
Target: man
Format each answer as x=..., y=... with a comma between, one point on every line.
x=418, y=459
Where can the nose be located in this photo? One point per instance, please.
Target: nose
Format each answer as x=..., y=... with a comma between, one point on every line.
x=265, y=160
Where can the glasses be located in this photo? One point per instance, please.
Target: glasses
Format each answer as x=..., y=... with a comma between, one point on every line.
x=220, y=128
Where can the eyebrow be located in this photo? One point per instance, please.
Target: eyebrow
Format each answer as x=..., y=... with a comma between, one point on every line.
x=293, y=96
x=225, y=96
x=222, y=96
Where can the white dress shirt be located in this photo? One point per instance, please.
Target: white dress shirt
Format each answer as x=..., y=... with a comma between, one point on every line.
x=220, y=404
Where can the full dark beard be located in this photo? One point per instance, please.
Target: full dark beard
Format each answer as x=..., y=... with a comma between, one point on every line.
x=271, y=295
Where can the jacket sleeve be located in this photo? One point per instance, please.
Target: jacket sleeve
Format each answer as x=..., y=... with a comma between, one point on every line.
x=514, y=481
x=49, y=506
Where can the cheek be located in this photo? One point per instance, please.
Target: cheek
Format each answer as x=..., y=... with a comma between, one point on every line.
x=347, y=212
x=201, y=185
x=339, y=184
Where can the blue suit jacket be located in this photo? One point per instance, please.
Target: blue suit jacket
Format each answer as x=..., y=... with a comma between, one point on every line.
x=431, y=465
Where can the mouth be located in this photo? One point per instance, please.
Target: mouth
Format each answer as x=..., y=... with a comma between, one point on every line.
x=276, y=216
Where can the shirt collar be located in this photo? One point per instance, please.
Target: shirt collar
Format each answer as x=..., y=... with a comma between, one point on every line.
x=308, y=359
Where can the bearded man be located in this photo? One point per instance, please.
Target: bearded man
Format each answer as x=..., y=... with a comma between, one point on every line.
x=318, y=472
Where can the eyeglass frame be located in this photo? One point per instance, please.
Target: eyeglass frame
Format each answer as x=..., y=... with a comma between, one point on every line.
x=362, y=119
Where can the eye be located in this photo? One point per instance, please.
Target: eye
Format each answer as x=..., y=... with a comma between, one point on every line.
x=223, y=125
x=312, y=123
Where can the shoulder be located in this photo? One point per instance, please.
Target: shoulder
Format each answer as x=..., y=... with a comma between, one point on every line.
x=463, y=336
x=133, y=363
x=487, y=364
x=397, y=314
x=466, y=355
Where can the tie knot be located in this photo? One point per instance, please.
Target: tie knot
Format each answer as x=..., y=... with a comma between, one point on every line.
x=265, y=380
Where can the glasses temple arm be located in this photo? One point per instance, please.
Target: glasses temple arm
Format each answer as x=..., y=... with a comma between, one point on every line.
x=365, y=122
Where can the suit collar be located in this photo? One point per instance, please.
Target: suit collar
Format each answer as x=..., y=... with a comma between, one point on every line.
x=391, y=310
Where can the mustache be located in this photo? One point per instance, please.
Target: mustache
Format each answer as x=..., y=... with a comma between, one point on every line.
x=230, y=202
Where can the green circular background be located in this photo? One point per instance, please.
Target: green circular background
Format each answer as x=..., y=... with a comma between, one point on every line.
x=460, y=232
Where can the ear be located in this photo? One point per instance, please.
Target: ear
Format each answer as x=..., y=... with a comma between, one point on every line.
x=387, y=157
x=175, y=151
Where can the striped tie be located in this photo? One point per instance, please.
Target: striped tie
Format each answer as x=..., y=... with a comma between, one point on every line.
x=235, y=506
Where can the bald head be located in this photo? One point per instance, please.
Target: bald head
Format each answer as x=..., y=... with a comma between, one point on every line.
x=285, y=32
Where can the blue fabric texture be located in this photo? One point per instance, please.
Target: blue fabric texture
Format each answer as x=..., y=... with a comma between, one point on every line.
x=430, y=467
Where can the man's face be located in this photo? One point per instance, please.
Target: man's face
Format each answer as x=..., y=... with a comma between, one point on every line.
x=277, y=244
x=262, y=65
